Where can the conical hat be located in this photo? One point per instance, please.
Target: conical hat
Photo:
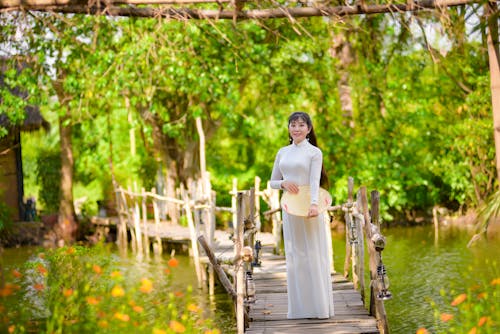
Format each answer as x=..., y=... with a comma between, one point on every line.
x=299, y=204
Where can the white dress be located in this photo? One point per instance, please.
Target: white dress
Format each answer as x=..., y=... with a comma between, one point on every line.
x=309, y=283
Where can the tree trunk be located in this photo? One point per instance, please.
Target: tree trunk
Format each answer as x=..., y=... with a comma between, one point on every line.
x=342, y=50
x=67, y=225
x=494, y=60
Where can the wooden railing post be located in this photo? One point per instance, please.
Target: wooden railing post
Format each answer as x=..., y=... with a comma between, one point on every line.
x=238, y=264
x=376, y=305
x=144, y=209
x=158, y=247
x=194, y=236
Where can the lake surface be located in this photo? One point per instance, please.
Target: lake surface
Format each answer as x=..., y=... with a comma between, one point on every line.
x=418, y=268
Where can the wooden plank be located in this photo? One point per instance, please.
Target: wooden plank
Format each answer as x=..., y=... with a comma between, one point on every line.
x=268, y=312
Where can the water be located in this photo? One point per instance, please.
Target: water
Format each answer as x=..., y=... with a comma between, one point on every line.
x=218, y=307
x=418, y=268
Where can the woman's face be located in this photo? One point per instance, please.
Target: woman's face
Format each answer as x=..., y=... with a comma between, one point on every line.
x=298, y=130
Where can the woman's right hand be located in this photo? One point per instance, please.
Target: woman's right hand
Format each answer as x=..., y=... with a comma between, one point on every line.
x=290, y=186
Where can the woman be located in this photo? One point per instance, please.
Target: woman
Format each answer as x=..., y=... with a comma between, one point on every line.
x=309, y=282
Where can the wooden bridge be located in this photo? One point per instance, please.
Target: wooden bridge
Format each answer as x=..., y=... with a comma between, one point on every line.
x=268, y=311
x=248, y=262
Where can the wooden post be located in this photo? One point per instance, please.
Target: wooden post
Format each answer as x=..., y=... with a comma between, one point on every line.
x=274, y=199
x=378, y=304
x=211, y=230
x=137, y=222
x=158, y=247
x=194, y=238
x=145, y=220
x=130, y=222
x=238, y=266
x=360, y=222
x=121, y=239
x=257, y=204
x=436, y=225
x=348, y=224
x=234, y=194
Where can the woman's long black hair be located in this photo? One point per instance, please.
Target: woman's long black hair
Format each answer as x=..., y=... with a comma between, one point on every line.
x=311, y=137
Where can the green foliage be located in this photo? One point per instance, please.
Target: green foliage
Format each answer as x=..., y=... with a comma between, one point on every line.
x=84, y=290
x=421, y=107
x=5, y=217
x=48, y=176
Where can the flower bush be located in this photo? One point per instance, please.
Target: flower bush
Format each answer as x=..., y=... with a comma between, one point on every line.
x=84, y=290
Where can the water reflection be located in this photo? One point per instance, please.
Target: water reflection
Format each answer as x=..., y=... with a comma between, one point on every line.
x=218, y=307
x=419, y=269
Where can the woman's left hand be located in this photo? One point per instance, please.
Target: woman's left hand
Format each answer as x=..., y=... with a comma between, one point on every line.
x=313, y=210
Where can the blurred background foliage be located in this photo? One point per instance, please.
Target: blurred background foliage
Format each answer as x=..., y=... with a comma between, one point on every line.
x=420, y=130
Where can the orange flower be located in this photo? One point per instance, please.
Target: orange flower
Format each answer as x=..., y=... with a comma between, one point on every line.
x=445, y=317
x=495, y=281
x=12, y=328
x=70, y=250
x=167, y=271
x=159, y=331
x=92, y=300
x=138, y=309
x=116, y=274
x=422, y=330
x=473, y=330
x=117, y=291
x=6, y=291
x=482, y=295
x=178, y=294
x=459, y=299
x=103, y=324
x=216, y=331
x=483, y=320
x=177, y=326
x=67, y=292
x=16, y=273
x=193, y=307
x=97, y=269
x=38, y=286
x=173, y=262
x=41, y=269
x=146, y=285
x=122, y=316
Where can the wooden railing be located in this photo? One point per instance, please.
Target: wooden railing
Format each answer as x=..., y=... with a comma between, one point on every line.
x=363, y=228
